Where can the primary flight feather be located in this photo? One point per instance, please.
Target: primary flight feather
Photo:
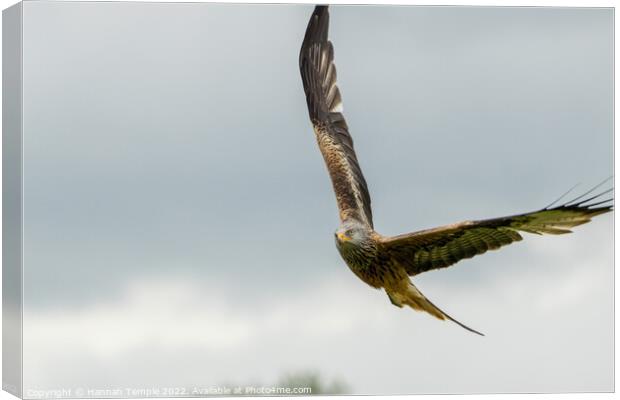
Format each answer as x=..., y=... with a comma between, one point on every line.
x=388, y=262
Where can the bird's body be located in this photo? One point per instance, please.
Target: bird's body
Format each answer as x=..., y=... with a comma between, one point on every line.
x=388, y=262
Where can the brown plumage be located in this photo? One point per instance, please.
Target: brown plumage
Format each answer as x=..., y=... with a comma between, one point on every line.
x=388, y=262
x=324, y=105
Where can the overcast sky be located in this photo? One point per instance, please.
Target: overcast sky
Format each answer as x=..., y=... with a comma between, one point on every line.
x=179, y=219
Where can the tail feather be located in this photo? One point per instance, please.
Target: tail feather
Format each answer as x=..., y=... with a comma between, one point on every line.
x=416, y=300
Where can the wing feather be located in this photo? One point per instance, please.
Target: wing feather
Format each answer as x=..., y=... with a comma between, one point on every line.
x=318, y=73
x=444, y=246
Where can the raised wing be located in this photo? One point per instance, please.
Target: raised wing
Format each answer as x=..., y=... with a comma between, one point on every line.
x=441, y=247
x=318, y=73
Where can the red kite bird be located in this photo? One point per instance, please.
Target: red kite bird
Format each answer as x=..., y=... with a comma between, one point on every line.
x=388, y=262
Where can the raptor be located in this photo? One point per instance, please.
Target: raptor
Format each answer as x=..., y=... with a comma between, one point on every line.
x=388, y=262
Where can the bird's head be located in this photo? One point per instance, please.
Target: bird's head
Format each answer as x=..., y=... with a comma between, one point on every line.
x=351, y=233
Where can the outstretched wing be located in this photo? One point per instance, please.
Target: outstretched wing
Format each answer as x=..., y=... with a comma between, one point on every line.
x=318, y=73
x=441, y=247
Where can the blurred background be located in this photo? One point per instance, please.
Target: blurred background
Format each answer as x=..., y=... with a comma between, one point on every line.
x=179, y=218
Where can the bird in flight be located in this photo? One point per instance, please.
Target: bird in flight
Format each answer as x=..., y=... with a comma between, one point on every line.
x=388, y=262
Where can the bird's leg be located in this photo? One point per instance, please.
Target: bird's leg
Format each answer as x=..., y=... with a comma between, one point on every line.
x=394, y=301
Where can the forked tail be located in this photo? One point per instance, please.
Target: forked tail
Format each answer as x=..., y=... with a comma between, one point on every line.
x=416, y=300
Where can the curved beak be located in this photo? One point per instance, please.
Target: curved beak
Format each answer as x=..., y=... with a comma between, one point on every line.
x=342, y=237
